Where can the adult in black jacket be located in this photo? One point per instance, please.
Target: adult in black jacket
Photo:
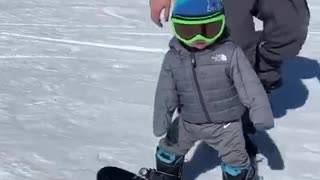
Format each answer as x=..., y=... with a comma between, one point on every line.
x=285, y=27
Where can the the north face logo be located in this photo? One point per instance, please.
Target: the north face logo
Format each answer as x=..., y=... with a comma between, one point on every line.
x=219, y=58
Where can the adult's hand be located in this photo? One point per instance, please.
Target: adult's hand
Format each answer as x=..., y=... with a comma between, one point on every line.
x=156, y=7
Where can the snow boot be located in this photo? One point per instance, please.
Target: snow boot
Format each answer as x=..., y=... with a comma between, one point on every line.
x=169, y=166
x=236, y=173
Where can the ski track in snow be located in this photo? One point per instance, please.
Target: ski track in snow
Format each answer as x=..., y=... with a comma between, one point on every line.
x=66, y=26
x=113, y=12
x=129, y=48
x=77, y=88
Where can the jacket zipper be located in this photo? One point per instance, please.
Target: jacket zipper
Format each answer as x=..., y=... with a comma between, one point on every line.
x=195, y=77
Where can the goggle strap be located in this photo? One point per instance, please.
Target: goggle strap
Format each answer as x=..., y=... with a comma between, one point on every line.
x=197, y=18
x=198, y=21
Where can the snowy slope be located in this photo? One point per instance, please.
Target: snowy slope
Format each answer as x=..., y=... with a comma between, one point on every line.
x=77, y=87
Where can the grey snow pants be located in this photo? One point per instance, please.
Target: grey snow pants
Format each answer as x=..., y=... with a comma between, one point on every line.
x=227, y=139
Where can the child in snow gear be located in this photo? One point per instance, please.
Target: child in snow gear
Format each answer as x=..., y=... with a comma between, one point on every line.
x=285, y=28
x=210, y=82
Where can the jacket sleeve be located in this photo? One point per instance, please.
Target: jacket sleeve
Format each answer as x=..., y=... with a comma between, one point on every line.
x=166, y=100
x=251, y=91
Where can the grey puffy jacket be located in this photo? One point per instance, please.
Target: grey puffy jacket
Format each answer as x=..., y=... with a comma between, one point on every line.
x=215, y=85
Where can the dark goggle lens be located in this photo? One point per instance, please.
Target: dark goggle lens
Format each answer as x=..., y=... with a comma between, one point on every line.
x=188, y=31
x=213, y=29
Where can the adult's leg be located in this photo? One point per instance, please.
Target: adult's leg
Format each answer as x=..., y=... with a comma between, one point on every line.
x=248, y=128
x=285, y=28
x=241, y=26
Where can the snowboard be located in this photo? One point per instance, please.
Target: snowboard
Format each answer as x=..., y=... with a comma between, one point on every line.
x=117, y=173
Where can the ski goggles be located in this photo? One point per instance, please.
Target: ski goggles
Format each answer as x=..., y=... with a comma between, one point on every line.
x=208, y=29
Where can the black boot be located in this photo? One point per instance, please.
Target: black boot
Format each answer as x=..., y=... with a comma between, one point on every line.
x=169, y=166
x=242, y=176
x=231, y=173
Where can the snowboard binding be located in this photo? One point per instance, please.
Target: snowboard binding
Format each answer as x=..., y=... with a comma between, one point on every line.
x=153, y=174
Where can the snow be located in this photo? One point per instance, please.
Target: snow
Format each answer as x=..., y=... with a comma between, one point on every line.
x=77, y=88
